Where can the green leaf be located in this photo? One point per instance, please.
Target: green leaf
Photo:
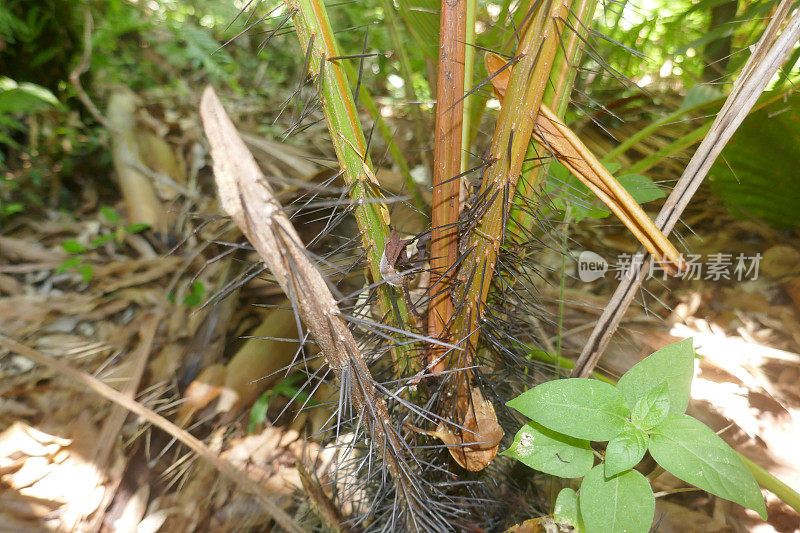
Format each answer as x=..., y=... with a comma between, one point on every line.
x=110, y=214
x=652, y=408
x=641, y=188
x=756, y=174
x=624, y=502
x=584, y=203
x=258, y=413
x=625, y=450
x=422, y=19
x=73, y=247
x=288, y=387
x=197, y=294
x=66, y=265
x=24, y=97
x=691, y=451
x=86, y=272
x=673, y=365
x=7, y=210
x=564, y=188
x=700, y=94
x=101, y=240
x=566, y=511
x=137, y=227
x=581, y=408
x=550, y=452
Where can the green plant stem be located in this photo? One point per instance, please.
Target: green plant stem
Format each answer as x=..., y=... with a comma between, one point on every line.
x=314, y=30
x=479, y=98
x=512, y=135
x=557, y=97
x=784, y=492
x=562, y=284
x=469, y=68
x=568, y=364
x=411, y=186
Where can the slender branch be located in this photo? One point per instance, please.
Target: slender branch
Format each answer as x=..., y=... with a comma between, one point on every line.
x=83, y=67
x=317, y=39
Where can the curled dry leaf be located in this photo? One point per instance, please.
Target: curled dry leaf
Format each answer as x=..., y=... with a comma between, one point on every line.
x=475, y=446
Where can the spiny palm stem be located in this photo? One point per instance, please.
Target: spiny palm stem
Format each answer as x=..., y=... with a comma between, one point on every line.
x=317, y=39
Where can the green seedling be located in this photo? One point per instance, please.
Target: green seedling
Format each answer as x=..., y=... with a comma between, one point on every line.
x=115, y=234
x=645, y=412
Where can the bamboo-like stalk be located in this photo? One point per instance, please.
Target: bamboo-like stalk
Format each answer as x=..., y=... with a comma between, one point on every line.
x=526, y=89
x=512, y=134
x=446, y=166
x=314, y=31
x=469, y=74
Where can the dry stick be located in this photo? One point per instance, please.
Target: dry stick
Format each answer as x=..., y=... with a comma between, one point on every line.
x=769, y=55
x=247, y=197
x=225, y=468
x=446, y=165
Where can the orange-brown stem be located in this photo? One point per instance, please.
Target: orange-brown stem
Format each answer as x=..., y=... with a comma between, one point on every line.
x=446, y=166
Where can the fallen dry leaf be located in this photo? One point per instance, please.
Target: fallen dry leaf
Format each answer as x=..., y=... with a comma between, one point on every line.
x=476, y=446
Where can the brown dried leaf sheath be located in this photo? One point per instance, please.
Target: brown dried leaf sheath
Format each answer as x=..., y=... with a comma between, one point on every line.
x=552, y=133
x=247, y=197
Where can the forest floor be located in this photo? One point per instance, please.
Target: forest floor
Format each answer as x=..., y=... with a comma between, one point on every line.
x=131, y=308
